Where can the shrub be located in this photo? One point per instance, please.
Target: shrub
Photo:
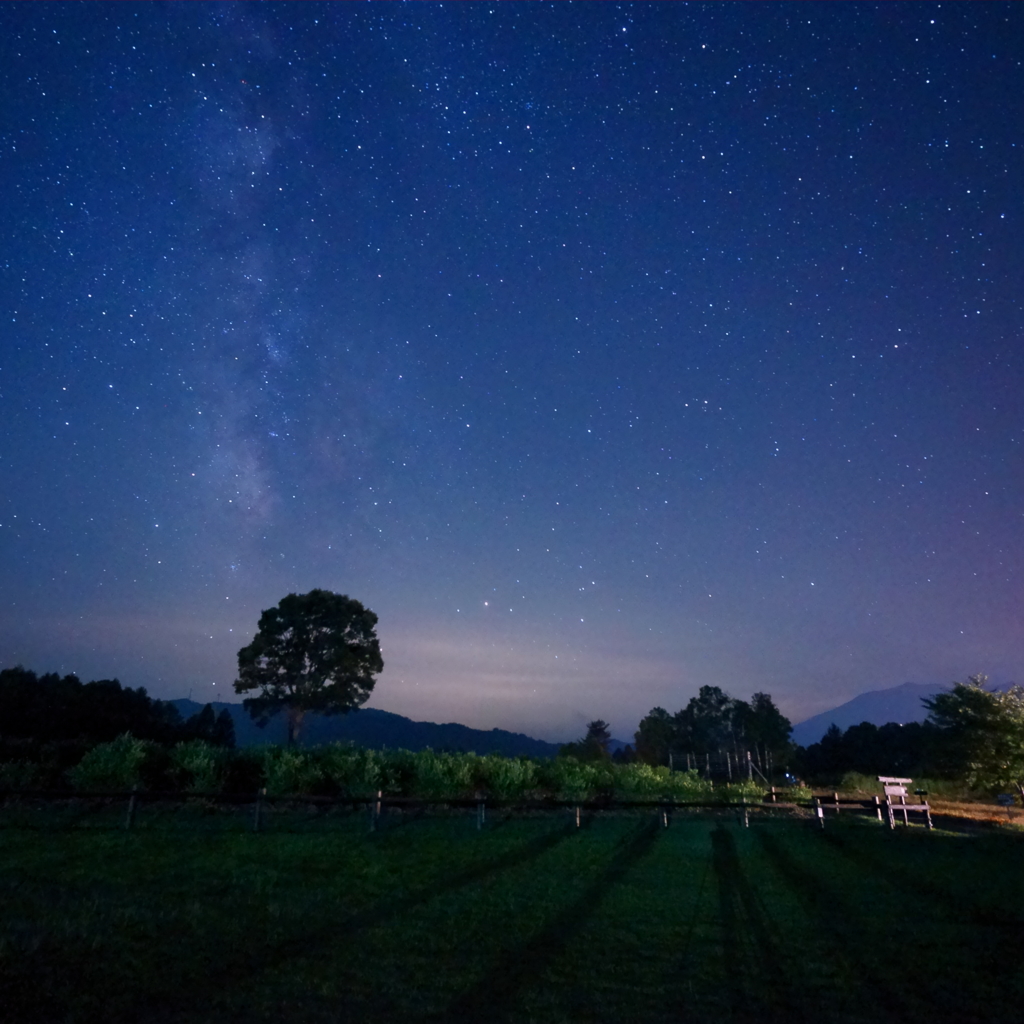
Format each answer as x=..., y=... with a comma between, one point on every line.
x=441, y=775
x=507, y=778
x=197, y=766
x=114, y=765
x=289, y=770
x=20, y=775
x=571, y=779
x=398, y=772
x=355, y=771
x=244, y=771
x=752, y=792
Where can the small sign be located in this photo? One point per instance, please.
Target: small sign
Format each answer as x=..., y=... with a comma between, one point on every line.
x=1005, y=800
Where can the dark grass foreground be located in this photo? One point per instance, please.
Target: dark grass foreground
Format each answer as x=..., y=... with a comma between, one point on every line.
x=526, y=920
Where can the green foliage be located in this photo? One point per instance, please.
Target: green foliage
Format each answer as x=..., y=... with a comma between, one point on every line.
x=116, y=765
x=441, y=775
x=983, y=732
x=643, y=781
x=655, y=738
x=292, y=771
x=855, y=782
x=713, y=722
x=506, y=778
x=353, y=771
x=752, y=792
x=198, y=766
x=313, y=652
x=569, y=778
x=20, y=775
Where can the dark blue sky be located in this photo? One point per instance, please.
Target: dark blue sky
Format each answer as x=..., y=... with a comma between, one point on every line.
x=603, y=350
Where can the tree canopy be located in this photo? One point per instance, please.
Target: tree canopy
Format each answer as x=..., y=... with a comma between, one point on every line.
x=891, y=749
x=982, y=732
x=312, y=652
x=52, y=708
x=593, y=746
x=713, y=721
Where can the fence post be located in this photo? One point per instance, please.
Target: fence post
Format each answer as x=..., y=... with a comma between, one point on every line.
x=257, y=813
x=130, y=820
x=878, y=808
x=820, y=812
x=481, y=811
x=835, y=798
x=375, y=810
x=577, y=815
x=746, y=814
x=664, y=816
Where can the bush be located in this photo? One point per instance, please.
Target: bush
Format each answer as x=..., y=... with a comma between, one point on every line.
x=354, y=771
x=398, y=772
x=734, y=792
x=20, y=775
x=291, y=771
x=244, y=772
x=506, y=778
x=197, y=766
x=568, y=778
x=115, y=765
x=444, y=775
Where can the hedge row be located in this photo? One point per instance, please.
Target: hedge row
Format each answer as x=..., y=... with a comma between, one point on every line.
x=344, y=770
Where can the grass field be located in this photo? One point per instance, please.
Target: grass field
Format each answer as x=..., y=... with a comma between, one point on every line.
x=527, y=920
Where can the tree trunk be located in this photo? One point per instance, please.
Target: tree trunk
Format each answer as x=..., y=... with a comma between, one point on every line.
x=295, y=716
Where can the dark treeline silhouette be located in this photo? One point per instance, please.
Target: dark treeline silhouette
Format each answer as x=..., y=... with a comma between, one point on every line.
x=53, y=709
x=916, y=748
x=593, y=747
x=717, y=732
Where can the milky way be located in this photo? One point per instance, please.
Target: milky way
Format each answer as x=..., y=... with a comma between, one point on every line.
x=603, y=350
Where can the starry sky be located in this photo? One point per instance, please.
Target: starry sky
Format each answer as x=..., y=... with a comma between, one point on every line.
x=603, y=350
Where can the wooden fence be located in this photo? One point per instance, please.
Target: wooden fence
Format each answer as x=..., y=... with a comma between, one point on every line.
x=376, y=805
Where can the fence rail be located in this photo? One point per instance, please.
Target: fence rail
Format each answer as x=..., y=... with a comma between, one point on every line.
x=380, y=802
x=261, y=803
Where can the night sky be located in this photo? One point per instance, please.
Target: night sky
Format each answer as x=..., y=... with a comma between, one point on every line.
x=604, y=350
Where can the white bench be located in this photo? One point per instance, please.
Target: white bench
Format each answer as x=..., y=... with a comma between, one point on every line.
x=896, y=800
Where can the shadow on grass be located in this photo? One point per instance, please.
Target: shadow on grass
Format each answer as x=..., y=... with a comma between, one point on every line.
x=494, y=995
x=337, y=932
x=875, y=853
x=752, y=952
x=854, y=932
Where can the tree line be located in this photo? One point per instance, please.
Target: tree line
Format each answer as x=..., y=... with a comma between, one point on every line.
x=49, y=708
x=713, y=727
x=972, y=733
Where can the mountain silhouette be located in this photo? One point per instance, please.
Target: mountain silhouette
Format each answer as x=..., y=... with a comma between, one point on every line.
x=370, y=727
x=897, y=704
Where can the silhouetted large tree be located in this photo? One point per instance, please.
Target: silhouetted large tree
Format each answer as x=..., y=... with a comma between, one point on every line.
x=313, y=652
x=982, y=732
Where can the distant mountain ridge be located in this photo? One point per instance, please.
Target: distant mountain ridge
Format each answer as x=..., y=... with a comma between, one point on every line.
x=370, y=727
x=897, y=704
